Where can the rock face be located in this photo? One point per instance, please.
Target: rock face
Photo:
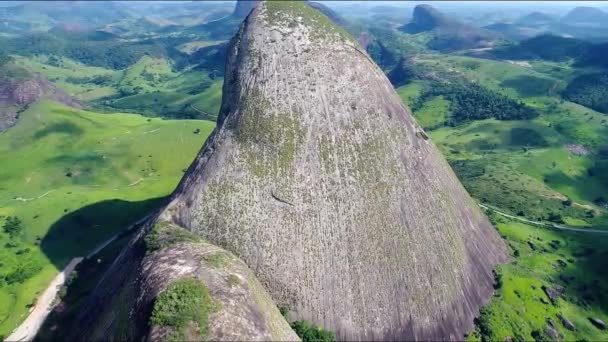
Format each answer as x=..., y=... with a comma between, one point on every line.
x=244, y=7
x=427, y=18
x=321, y=181
x=16, y=93
x=328, y=12
x=121, y=306
x=447, y=34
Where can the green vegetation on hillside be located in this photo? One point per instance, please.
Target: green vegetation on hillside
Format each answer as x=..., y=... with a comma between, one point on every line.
x=184, y=307
x=589, y=90
x=307, y=331
x=113, y=54
x=549, y=167
x=473, y=102
x=566, y=265
x=150, y=86
x=74, y=178
x=289, y=12
x=163, y=235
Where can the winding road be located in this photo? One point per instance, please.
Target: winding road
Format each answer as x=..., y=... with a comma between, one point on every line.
x=544, y=224
x=27, y=330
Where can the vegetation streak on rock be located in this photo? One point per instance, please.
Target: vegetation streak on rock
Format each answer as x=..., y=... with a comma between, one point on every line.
x=321, y=181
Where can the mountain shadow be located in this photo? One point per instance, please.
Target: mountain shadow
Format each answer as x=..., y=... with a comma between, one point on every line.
x=81, y=231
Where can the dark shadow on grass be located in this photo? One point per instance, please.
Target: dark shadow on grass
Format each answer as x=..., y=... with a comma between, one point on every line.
x=63, y=127
x=527, y=85
x=526, y=137
x=81, y=231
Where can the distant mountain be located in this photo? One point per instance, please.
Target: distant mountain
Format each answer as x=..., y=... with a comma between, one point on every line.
x=554, y=48
x=586, y=16
x=330, y=13
x=535, y=19
x=514, y=31
x=87, y=13
x=448, y=34
x=546, y=47
x=427, y=18
x=528, y=26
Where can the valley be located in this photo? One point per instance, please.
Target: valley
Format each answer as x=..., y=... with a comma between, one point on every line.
x=121, y=105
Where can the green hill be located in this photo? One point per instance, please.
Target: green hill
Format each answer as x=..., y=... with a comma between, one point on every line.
x=73, y=178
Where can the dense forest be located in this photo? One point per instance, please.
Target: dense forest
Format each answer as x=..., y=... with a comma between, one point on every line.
x=557, y=49
x=470, y=101
x=103, y=53
x=590, y=90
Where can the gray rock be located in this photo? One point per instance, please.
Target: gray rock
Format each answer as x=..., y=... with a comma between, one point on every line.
x=566, y=323
x=17, y=93
x=566, y=279
x=323, y=183
x=316, y=179
x=598, y=323
x=120, y=309
x=553, y=292
x=553, y=333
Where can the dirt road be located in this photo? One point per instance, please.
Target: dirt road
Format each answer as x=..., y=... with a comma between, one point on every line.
x=543, y=224
x=44, y=304
x=28, y=329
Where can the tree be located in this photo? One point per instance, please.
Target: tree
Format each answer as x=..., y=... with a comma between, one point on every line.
x=12, y=226
x=310, y=333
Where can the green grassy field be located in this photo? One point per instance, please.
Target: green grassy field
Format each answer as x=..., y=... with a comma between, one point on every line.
x=542, y=257
x=526, y=166
x=74, y=178
x=539, y=169
x=151, y=86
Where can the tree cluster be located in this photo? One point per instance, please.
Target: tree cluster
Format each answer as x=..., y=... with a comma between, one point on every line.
x=470, y=101
x=590, y=90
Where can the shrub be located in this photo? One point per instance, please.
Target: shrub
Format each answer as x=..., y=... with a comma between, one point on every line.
x=184, y=302
x=12, y=226
x=163, y=235
x=309, y=332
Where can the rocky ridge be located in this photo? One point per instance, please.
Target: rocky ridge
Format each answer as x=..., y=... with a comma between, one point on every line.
x=16, y=94
x=323, y=184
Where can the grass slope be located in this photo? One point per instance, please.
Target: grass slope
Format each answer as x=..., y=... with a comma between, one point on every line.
x=543, y=257
x=150, y=87
x=546, y=168
x=75, y=178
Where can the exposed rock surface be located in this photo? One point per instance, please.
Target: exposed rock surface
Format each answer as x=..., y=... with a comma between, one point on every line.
x=427, y=18
x=244, y=7
x=448, y=34
x=17, y=93
x=553, y=292
x=317, y=179
x=330, y=13
x=566, y=323
x=121, y=306
x=598, y=323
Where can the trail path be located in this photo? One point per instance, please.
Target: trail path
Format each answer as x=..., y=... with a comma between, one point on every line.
x=27, y=330
x=203, y=112
x=544, y=224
